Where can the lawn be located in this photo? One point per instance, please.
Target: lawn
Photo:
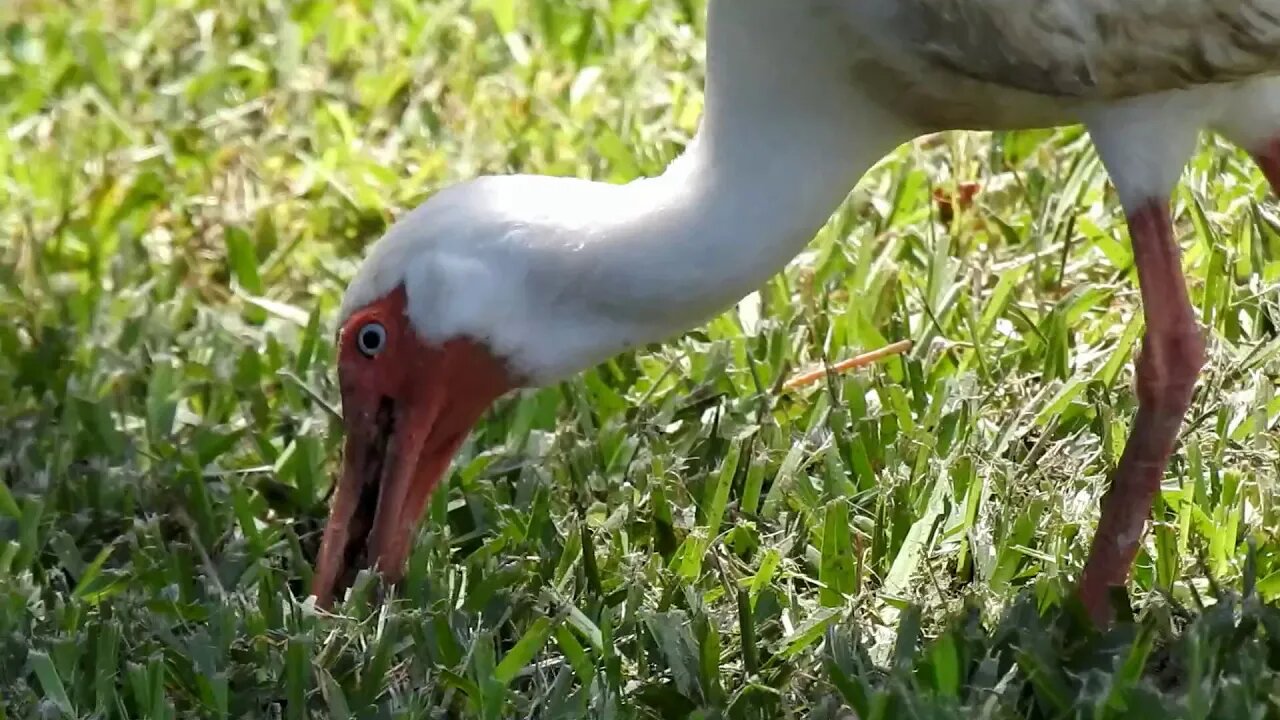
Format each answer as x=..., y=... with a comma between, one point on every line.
x=186, y=186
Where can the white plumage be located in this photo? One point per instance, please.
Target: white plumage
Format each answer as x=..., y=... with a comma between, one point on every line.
x=803, y=96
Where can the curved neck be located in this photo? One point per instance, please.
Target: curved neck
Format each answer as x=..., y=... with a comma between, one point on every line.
x=750, y=191
x=785, y=136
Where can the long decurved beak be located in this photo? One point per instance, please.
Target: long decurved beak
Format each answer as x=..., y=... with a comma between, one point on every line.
x=402, y=431
x=393, y=459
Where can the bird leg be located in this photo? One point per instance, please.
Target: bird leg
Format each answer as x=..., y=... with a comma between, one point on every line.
x=1173, y=351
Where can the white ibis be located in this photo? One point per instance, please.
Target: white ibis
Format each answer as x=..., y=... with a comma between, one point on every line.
x=510, y=281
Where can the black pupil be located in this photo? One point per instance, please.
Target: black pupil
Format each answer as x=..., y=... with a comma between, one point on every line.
x=370, y=340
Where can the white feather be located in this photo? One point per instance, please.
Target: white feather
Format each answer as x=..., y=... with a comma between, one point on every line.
x=802, y=97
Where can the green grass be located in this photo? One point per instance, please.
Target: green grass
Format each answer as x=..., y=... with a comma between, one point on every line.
x=184, y=189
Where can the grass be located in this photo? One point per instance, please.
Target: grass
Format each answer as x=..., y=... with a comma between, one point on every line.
x=184, y=189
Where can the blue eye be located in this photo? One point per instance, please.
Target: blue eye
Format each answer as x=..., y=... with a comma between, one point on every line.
x=371, y=339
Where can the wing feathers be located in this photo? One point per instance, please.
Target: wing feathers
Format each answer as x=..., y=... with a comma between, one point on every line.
x=1096, y=49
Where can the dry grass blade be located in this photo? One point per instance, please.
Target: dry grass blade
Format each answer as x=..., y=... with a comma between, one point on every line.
x=853, y=363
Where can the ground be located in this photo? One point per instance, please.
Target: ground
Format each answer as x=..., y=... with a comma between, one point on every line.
x=186, y=186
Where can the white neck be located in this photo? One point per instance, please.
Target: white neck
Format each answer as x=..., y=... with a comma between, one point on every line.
x=725, y=217
x=758, y=181
x=558, y=274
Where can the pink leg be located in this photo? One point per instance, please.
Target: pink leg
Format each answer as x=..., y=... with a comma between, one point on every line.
x=1268, y=159
x=1171, y=357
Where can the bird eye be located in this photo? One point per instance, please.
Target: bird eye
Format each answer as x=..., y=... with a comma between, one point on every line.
x=371, y=338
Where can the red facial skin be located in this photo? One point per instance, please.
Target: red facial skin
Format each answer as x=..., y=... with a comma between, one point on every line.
x=406, y=410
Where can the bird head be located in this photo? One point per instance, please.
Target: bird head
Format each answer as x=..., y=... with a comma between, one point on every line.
x=407, y=404
x=467, y=297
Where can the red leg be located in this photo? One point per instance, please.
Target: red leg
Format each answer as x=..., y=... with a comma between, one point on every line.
x=1268, y=159
x=1171, y=357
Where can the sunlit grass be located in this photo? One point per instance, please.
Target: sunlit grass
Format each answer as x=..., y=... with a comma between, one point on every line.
x=185, y=188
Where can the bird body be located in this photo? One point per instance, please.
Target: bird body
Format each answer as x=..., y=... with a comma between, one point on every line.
x=561, y=273
x=553, y=275
x=1073, y=51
